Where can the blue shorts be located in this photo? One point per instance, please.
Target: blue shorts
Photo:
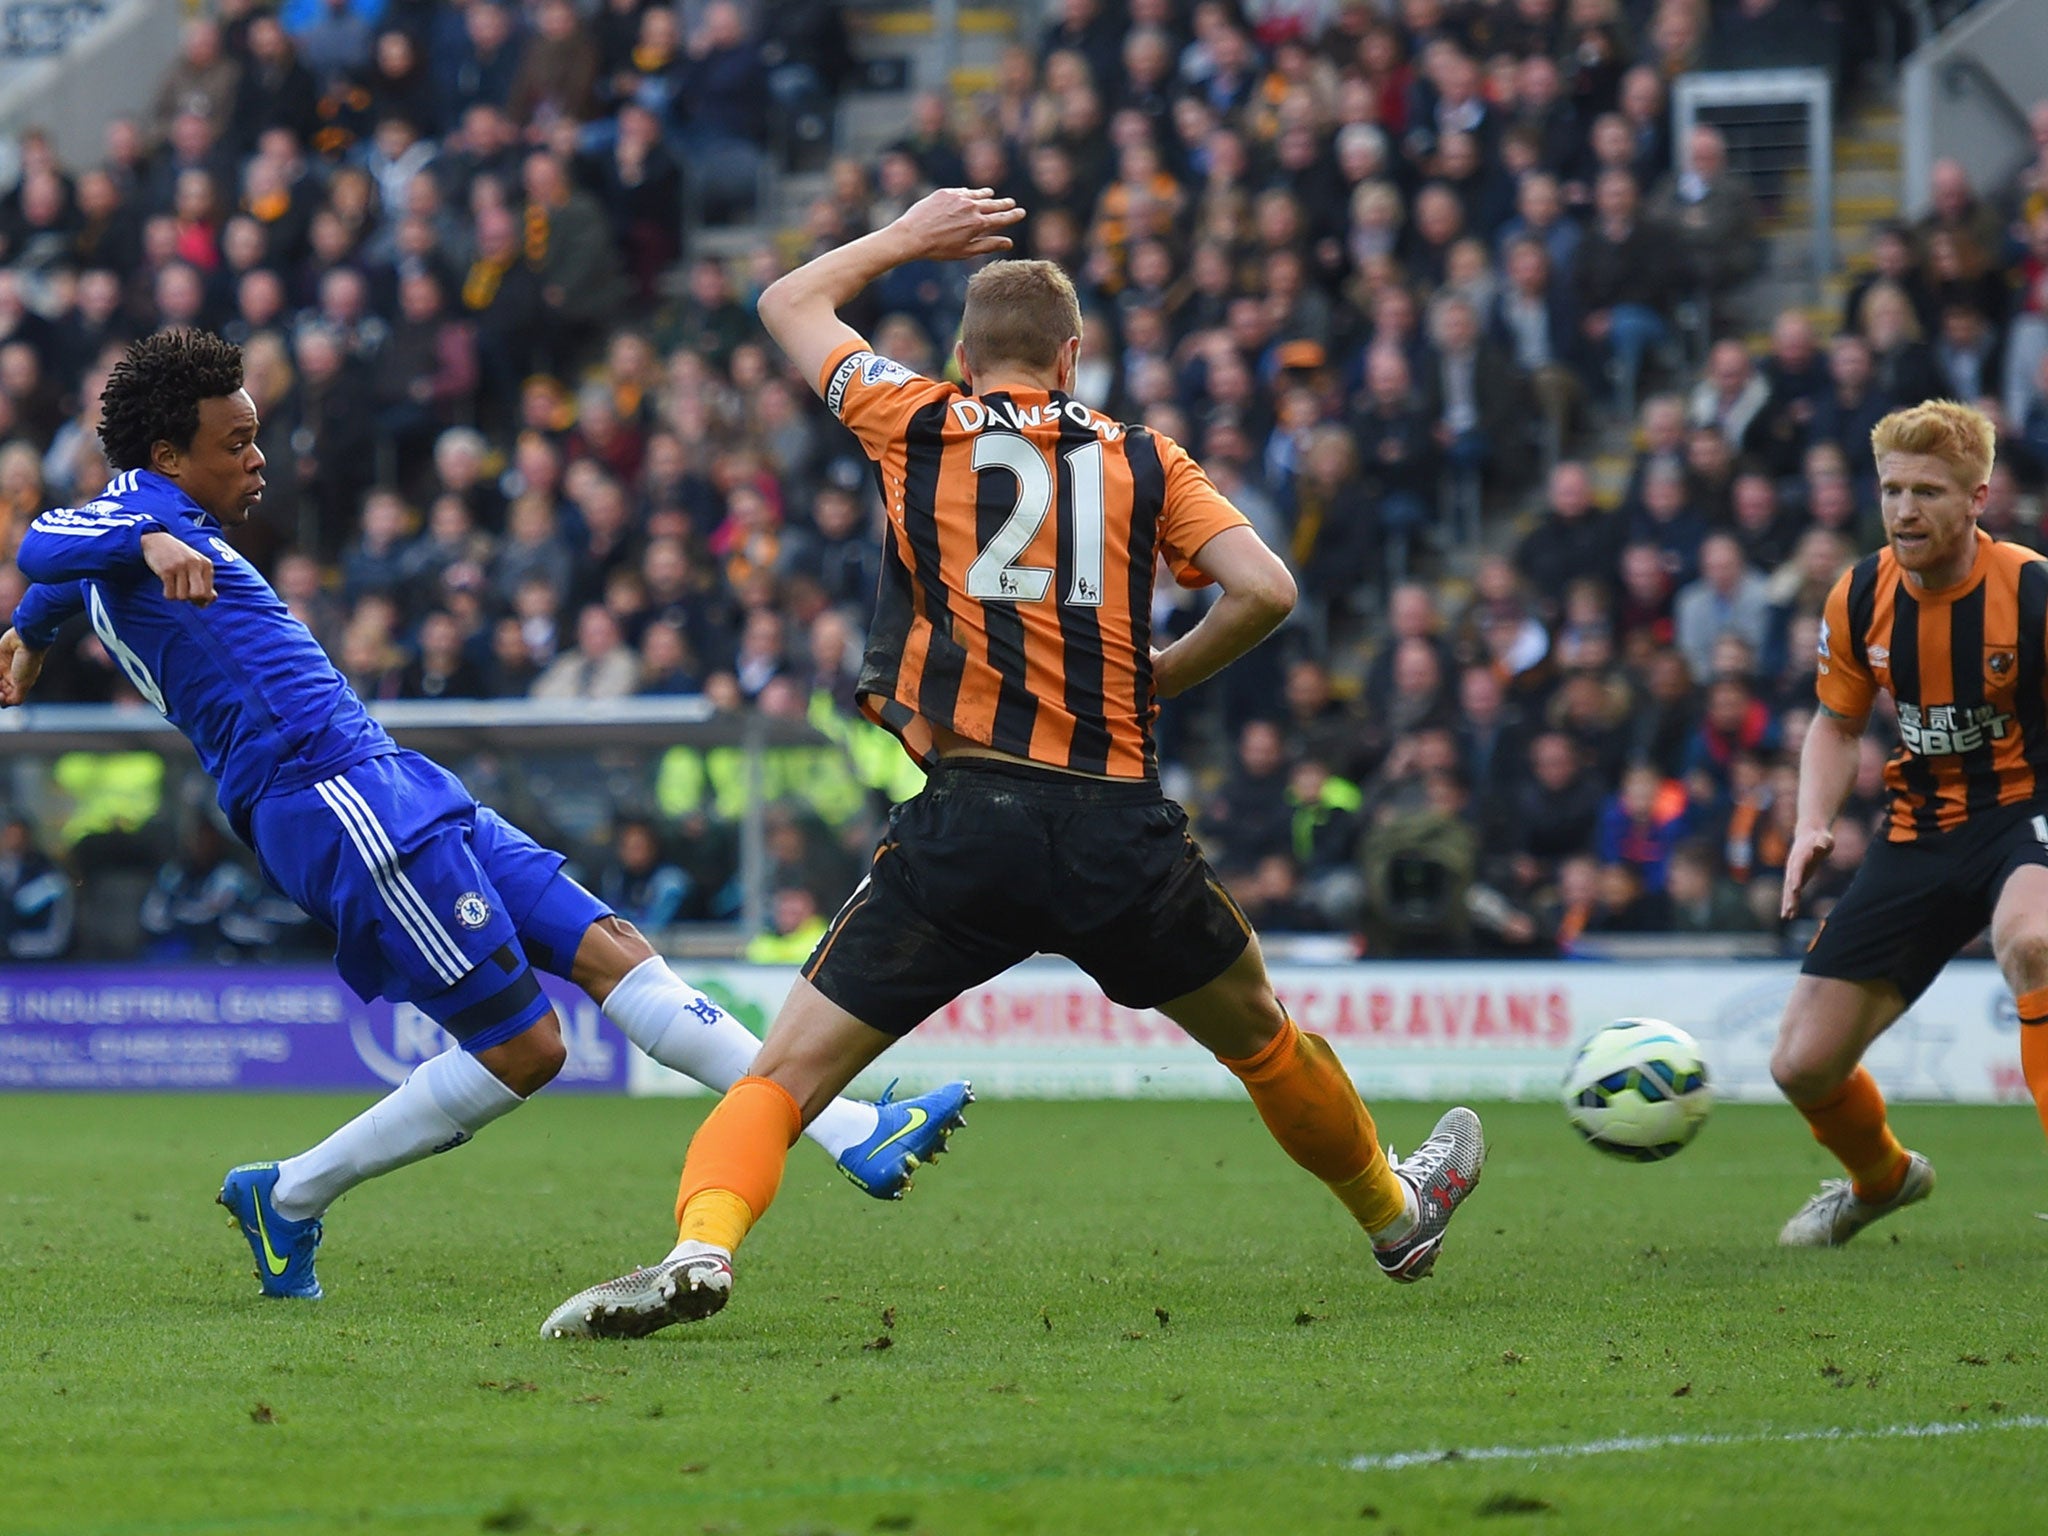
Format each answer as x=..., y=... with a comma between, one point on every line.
x=434, y=900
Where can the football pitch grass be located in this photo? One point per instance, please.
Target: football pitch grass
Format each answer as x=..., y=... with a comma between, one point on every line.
x=1130, y=1317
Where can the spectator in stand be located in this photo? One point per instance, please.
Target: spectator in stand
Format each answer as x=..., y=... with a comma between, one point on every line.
x=1574, y=539
x=375, y=563
x=599, y=666
x=335, y=43
x=1626, y=274
x=1493, y=744
x=1797, y=377
x=1852, y=406
x=1711, y=211
x=1668, y=522
x=1902, y=366
x=1729, y=598
x=556, y=80
x=36, y=907
x=1642, y=823
x=1398, y=452
x=644, y=887
x=275, y=90
x=1956, y=209
x=205, y=905
x=1250, y=817
x=722, y=93
x=204, y=80
x=1735, y=724
x=1967, y=354
x=1557, y=807
x=1766, y=532
x=666, y=663
x=578, y=272
x=1482, y=425
x=1334, y=529
x=1732, y=394
x=1532, y=323
x=441, y=668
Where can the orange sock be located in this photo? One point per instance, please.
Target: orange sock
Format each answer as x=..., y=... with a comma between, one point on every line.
x=1305, y=1097
x=734, y=1166
x=1850, y=1123
x=2034, y=1047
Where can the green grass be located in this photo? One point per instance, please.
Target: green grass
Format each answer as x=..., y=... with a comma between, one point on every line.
x=1128, y=1318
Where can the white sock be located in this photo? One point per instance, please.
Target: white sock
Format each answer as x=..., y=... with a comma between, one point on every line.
x=445, y=1101
x=1397, y=1229
x=688, y=1033
x=690, y=1248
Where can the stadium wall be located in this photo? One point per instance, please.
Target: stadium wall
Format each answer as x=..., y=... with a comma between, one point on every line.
x=1405, y=1030
x=114, y=68
x=1965, y=93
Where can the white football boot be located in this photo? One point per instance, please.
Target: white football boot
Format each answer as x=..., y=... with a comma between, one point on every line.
x=1835, y=1215
x=686, y=1287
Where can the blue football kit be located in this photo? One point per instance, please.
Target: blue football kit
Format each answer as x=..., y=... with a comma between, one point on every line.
x=434, y=900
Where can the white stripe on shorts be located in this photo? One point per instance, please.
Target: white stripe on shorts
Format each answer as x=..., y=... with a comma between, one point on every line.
x=399, y=893
x=381, y=839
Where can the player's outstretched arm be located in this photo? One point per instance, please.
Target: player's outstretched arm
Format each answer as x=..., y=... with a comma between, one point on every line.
x=20, y=666
x=37, y=618
x=1258, y=594
x=1827, y=772
x=72, y=543
x=801, y=309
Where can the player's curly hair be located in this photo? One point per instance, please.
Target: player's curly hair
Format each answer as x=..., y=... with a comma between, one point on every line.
x=153, y=394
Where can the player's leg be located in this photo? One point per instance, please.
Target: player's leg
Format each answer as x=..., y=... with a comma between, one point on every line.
x=1902, y=918
x=2019, y=938
x=882, y=968
x=1183, y=946
x=381, y=854
x=732, y=1172
x=1817, y=1064
x=569, y=931
x=1308, y=1103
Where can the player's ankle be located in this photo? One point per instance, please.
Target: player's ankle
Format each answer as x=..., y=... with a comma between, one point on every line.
x=1402, y=1227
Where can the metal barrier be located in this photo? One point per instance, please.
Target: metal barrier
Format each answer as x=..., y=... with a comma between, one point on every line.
x=1779, y=124
x=520, y=729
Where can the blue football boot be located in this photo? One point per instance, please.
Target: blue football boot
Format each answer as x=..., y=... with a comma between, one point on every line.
x=912, y=1132
x=284, y=1248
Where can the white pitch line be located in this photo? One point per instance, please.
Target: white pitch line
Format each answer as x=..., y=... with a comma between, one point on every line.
x=1398, y=1460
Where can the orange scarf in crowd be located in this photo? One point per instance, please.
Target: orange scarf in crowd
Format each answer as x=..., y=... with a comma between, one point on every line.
x=480, y=288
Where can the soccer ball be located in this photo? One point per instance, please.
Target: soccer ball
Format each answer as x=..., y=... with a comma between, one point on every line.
x=1638, y=1089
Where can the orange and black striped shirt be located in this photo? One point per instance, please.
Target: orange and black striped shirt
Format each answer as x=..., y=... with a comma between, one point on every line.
x=1024, y=532
x=1966, y=668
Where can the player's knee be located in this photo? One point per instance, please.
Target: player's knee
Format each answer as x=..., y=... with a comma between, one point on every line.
x=2023, y=957
x=1803, y=1073
x=532, y=1059
x=611, y=949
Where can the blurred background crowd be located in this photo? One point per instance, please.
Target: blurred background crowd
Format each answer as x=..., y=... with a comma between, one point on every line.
x=1428, y=287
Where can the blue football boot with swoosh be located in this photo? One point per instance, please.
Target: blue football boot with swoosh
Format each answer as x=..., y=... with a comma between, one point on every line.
x=912, y=1132
x=284, y=1248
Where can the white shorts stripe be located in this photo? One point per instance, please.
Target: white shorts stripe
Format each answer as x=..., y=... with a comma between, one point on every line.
x=380, y=839
x=407, y=916
x=399, y=893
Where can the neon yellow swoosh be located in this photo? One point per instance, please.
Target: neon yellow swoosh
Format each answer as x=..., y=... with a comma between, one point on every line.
x=917, y=1120
x=271, y=1261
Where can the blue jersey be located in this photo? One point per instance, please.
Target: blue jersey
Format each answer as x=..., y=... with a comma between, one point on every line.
x=242, y=678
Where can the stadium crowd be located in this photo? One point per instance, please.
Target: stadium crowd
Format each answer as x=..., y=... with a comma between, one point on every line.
x=1388, y=269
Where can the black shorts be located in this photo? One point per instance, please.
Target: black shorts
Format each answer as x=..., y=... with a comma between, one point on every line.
x=995, y=862
x=1913, y=905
